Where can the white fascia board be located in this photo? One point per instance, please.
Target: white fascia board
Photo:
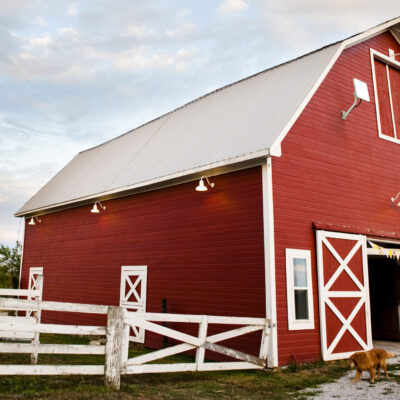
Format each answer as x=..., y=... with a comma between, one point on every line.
x=277, y=143
x=181, y=176
x=370, y=33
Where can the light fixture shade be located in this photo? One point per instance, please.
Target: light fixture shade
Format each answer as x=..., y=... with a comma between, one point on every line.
x=201, y=187
x=31, y=222
x=95, y=210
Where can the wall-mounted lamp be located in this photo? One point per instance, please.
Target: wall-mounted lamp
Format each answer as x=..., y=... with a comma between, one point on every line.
x=95, y=210
x=395, y=198
x=360, y=94
x=32, y=220
x=201, y=187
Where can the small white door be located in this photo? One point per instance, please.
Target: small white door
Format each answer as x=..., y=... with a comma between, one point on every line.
x=35, y=283
x=133, y=295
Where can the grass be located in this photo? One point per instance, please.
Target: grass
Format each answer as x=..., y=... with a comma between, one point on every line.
x=281, y=384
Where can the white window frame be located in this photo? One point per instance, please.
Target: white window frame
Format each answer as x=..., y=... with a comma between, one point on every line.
x=376, y=55
x=293, y=323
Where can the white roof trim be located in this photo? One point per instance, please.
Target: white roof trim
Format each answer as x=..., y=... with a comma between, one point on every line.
x=370, y=33
x=230, y=162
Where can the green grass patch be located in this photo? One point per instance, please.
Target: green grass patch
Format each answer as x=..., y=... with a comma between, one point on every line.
x=276, y=385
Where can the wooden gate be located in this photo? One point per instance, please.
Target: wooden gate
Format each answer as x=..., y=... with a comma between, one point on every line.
x=133, y=295
x=343, y=294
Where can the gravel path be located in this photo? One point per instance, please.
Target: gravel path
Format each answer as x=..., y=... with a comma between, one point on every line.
x=344, y=388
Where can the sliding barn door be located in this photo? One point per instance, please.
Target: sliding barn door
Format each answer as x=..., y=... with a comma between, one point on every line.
x=133, y=295
x=343, y=294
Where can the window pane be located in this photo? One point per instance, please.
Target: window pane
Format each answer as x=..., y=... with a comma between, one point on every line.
x=301, y=304
x=300, y=272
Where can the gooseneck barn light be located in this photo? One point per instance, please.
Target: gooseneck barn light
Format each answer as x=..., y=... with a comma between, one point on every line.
x=95, y=210
x=360, y=94
x=395, y=198
x=32, y=221
x=201, y=187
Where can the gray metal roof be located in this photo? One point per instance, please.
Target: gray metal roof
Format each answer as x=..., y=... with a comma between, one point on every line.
x=238, y=122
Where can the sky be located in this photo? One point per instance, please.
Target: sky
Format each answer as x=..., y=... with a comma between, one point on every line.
x=76, y=73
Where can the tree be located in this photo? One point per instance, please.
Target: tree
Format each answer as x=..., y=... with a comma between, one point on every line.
x=10, y=261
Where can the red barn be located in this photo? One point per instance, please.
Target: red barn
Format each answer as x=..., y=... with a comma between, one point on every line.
x=295, y=223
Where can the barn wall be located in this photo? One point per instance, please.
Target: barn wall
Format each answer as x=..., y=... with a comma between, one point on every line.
x=335, y=172
x=204, y=250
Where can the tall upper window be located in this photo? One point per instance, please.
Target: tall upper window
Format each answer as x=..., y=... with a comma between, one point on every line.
x=386, y=76
x=299, y=289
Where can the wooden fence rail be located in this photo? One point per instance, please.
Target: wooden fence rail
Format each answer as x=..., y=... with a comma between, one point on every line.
x=20, y=328
x=201, y=343
x=119, y=323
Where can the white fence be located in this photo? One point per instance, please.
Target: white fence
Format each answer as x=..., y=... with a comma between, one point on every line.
x=119, y=322
x=201, y=343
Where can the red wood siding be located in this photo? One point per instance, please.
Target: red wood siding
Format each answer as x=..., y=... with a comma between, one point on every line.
x=334, y=172
x=204, y=250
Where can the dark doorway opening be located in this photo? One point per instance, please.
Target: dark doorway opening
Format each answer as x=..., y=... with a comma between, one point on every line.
x=384, y=288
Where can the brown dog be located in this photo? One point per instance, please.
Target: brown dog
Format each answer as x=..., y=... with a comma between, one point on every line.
x=372, y=361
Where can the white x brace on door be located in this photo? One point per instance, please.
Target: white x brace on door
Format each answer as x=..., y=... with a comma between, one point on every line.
x=343, y=294
x=133, y=295
x=35, y=283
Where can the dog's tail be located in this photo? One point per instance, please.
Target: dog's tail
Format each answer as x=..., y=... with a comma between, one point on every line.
x=391, y=355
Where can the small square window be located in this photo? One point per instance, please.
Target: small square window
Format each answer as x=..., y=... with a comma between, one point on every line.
x=299, y=289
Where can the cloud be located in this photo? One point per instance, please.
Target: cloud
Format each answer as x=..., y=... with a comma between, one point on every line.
x=230, y=6
x=182, y=30
x=138, y=31
x=72, y=10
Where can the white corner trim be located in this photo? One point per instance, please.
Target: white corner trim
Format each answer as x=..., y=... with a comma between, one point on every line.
x=293, y=323
x=269, y=257
x=22, y=252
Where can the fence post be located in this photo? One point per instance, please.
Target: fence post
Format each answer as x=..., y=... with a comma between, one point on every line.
x=114, y=336
x=265, y=340
x=125, y=342
x=38, y=315
x=202, y=336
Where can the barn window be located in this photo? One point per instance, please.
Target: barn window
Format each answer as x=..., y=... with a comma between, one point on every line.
x=299, y=289
x=386, y=77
